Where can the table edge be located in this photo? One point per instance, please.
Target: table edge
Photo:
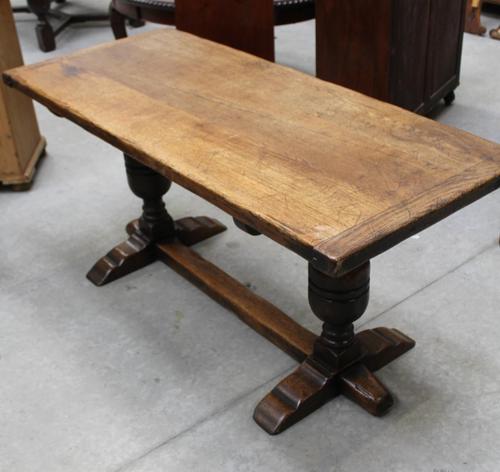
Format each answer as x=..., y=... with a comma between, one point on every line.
x=328, y=255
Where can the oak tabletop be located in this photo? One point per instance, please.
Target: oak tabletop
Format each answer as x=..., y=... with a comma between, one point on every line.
x=335, y=176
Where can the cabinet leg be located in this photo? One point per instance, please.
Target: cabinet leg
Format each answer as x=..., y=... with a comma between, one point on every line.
x=450, y=98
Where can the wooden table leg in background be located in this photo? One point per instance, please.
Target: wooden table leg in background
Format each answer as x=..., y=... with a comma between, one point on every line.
x=20, y=142
x=473, y=17
x=242, y=24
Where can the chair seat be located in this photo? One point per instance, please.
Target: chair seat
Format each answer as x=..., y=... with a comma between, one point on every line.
x=286, y=11
x=170, y=4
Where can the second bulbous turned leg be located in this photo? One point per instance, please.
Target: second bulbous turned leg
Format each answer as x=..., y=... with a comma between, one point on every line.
x=341, y=362
x=153, y=227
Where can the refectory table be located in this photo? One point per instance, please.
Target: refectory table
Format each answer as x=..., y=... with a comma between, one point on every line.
x=333, y=175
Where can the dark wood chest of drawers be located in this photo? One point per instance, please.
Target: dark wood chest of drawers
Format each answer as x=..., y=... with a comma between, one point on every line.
x=406, y=52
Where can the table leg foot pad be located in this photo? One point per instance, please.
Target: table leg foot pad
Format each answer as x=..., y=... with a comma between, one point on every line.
x=312, y=384
x=138, y=250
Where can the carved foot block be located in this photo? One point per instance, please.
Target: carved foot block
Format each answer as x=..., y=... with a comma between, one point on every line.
x=190, y=230
x=380, y=346
x=127, y=257
x=311, y=385
x=193, y=230
x=365, y=389
x=298, y=395
x=139, y=251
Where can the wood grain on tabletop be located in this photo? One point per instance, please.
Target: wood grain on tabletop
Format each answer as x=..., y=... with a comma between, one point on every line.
x=334, y=175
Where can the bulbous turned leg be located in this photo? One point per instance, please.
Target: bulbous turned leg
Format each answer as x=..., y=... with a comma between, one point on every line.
x=153, y=227
x=338, y=302
x=155, y=224
x=341, y=362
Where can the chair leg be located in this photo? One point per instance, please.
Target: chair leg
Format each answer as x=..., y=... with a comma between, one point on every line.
x=44, y=32
x=118, y=23
x=45, y=36
x=136, y=23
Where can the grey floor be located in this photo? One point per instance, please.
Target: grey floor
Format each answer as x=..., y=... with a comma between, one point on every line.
x=148, y=374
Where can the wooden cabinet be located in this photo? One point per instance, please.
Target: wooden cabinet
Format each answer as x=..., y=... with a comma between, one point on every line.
x=405, y=52
x=20, y=142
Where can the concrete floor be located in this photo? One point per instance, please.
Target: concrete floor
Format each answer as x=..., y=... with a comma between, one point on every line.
x=148, y=374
